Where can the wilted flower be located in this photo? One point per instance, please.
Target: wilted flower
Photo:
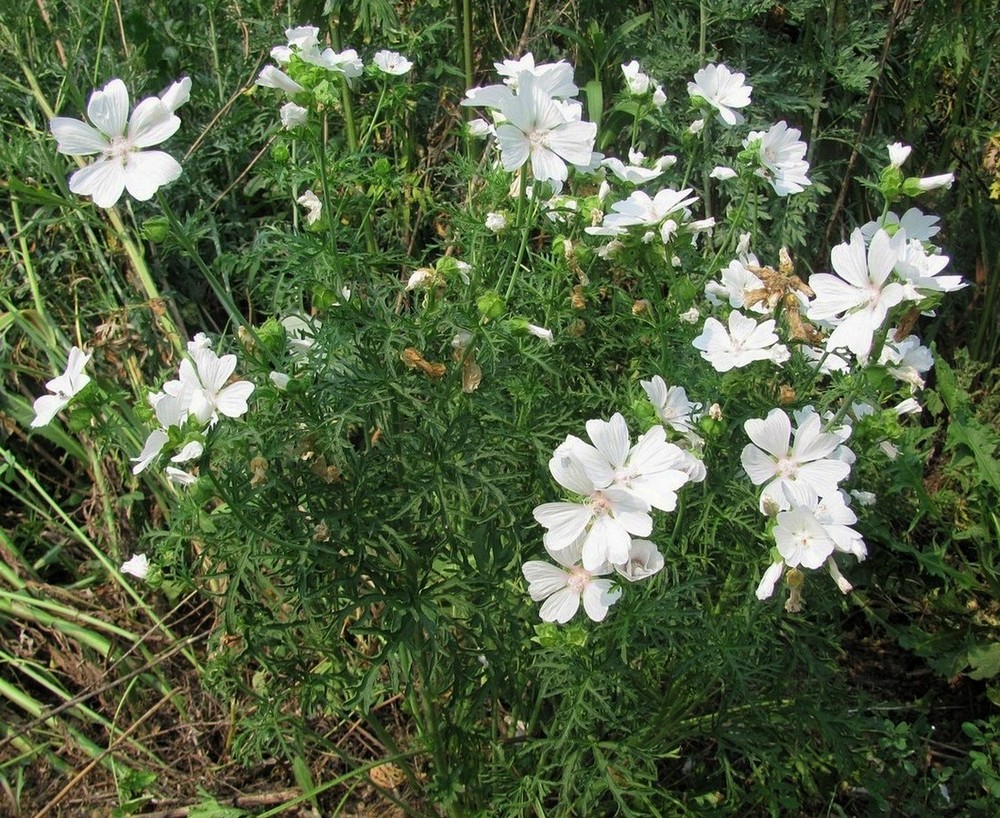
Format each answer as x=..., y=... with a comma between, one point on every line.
x=314, y=207
x=120, y=140
x=63, y=388
x=722, y=173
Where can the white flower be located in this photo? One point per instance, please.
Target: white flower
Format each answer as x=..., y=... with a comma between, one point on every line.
x=292, y=115
x=541, y=332
x=204, y=380
x=391, y=63
x=665, y=213
x=659, y=96
x=644, y=560
x=137, y=566
x=696, y=127
x=314, y=207
x=672, y=405
x=802, y=539
x=932, y=182
x=921, y=269
x=864, y=498
x=859, y=297
x=898, y=153
x=722, y=173
x=723, y=90
x=480, y=128
x=794, y=475
x=781, y=155
x=910, y=406
x=280, y=380
x=636, y=82
x=690, y=316
x=562, y=589
x=271, y=77
x=177, y=94
x=745, y=342
x=179, y=477
x=496, y=222
x=119, y=140
x=538, y=130
x=635, y=173
x=738, y=282
x=651, y=470
x=913, y=222
x=63, y=388
x=771, y=576
x=555, y=79
x=906, y=360
x=190, y=451
x=604, y=521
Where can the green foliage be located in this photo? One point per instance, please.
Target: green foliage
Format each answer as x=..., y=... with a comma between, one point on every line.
x=359, y=536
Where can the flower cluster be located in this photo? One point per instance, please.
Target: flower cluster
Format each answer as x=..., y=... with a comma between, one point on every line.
x=536, y=120
x=801, y=473
x=615, y=486
x=188, y=406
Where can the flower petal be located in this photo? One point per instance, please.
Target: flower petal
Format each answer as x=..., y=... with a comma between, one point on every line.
x=103, y=181
x=151, y=123
x=108, y=108
x=560, y=607
x=76, y=138
x=543, y=578
x=146, y=172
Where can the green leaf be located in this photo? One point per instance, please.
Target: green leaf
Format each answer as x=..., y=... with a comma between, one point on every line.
x=985, y=661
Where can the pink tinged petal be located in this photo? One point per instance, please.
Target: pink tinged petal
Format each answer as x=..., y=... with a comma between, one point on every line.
x=771, y=433
x=152, y=122
x=770, y=579
x=561, y=607
x=543, y=578
x=146, y=172
x=564, y=522
x=154, y=445
x=232, y=401
x=47, y=407
x=76, y=138
x=108, y=108
x=611, y=438
x=103, y=181
x=598, y=596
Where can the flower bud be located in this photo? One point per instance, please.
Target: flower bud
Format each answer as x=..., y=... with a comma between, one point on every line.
x=491, y=305
x=156, y=228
